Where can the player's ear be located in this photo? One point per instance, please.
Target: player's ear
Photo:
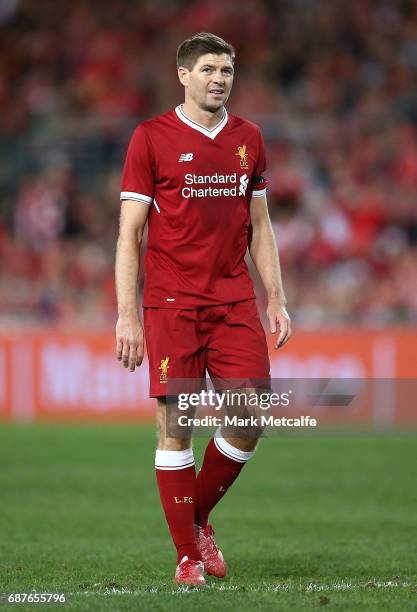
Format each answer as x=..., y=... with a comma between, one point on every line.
x=183, y=75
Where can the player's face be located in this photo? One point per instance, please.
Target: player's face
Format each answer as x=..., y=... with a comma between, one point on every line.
x=209, y=83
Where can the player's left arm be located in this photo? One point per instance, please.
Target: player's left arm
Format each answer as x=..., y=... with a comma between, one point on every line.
x=264, y=252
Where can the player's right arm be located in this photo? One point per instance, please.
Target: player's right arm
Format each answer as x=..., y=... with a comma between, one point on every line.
x=129, y=329
x=137, y=194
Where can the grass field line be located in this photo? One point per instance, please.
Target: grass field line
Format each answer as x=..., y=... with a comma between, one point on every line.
x=312, y=587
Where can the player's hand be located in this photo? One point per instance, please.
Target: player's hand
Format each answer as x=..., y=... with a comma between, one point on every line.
x=279, y=321
x=129, y=341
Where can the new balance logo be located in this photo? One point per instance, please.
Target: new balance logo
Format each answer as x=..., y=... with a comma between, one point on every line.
x=185, y=157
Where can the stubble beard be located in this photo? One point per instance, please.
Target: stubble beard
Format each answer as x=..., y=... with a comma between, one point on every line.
x=214, y=107
x=211, y=109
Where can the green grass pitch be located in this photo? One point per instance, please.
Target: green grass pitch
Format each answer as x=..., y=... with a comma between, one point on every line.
x=312, y=522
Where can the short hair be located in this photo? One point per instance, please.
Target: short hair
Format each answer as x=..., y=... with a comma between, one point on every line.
x=192, y=48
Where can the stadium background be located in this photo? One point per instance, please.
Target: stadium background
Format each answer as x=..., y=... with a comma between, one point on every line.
x=332, y=85
x=333, y=88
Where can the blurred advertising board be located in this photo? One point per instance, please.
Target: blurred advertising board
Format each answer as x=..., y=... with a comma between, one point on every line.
x=74, y=376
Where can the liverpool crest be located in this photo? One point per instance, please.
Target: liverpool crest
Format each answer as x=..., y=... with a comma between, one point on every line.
x=164, y=370
x=241, y=152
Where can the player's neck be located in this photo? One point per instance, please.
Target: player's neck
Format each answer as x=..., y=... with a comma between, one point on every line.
x=204, y=118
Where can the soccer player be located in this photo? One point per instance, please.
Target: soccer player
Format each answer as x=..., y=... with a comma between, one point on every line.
x=195, y=176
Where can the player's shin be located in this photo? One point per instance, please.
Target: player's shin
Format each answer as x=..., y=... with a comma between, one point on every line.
x=221, y=466
x=175, y=473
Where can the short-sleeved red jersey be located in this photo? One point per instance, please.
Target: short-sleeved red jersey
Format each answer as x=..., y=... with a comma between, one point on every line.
x=198, y=183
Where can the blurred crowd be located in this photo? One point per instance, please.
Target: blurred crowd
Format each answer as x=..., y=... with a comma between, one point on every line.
x=333, y=86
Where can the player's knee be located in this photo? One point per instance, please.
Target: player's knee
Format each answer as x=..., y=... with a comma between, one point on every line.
x=169, y=425
x=173, y=444
x=243, y=443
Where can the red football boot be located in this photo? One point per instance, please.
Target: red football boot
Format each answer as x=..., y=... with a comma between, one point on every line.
x=189, y=572
x=214, y=563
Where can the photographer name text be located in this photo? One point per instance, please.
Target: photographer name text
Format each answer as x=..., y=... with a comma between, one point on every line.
x=252, y=421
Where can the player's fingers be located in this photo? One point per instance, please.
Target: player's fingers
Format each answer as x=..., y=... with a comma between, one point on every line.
x=285, y=341
x=119, y=348
x=139, y=355
x=125, y=353
x=289, y=332
x=272, y=323
x=287, y=335
x=283, y=326
x=132, y=357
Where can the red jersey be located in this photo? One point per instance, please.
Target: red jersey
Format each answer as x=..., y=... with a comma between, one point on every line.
x=198, y=183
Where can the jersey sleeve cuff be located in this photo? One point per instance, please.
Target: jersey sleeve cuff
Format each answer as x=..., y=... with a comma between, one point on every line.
x=258, y=193
x=132, y=195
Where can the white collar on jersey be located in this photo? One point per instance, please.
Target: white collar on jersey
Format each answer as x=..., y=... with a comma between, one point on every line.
x=211, y=133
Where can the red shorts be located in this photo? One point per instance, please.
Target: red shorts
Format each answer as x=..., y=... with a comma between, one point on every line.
x=227, y=340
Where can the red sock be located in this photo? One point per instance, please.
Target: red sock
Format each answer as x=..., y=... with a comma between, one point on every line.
x=221, y=466
x=175, y=474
